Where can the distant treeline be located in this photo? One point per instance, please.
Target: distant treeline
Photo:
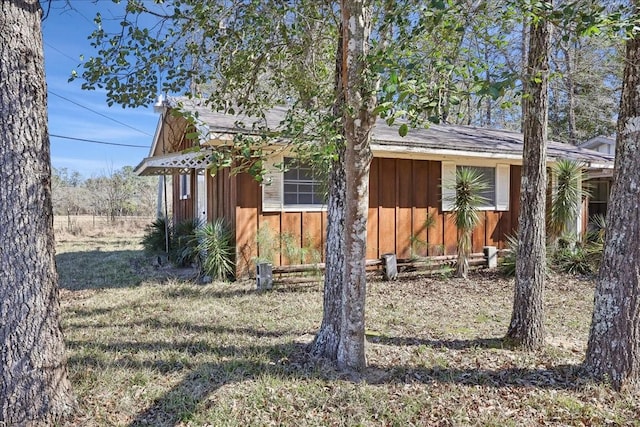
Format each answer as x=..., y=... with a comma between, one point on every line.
x=115, y=193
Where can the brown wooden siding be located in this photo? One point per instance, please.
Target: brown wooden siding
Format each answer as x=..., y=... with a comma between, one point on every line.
x=183, y=210
x=405, y=217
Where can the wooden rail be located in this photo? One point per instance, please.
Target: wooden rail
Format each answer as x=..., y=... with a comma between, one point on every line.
x=402, y=265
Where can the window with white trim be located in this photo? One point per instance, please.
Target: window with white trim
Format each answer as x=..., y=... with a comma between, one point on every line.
x=185, y=187
x=298, y=188
x=496, y=177
x=301, y=185
x=488, y=176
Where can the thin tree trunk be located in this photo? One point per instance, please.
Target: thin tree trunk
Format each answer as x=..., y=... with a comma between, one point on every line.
x=34, y=388
x=571, y=96
x=328, y=337
x=341, y=336
x=613, y=351
x=527, y=320
x=524, y=61
x=359, y=92
x=326, y=341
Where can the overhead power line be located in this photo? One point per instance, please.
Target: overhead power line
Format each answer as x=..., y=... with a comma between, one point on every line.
x=98, y=142
x=76, y=60
x=100, y=114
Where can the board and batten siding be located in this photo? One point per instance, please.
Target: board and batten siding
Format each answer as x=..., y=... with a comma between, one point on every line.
x=403, y=194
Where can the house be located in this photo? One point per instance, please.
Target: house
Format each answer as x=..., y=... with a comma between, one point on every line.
x=600, y=181
x=408, y=214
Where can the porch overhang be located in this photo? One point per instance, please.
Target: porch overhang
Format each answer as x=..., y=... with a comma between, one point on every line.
x=180, y=163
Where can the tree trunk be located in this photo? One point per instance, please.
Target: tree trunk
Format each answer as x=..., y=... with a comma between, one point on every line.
x=613, y=352
x=345, y=280
x=328, y=337
x=571, y=95
x=34, y=388
x=527, y=320
x=358, y=121
x=326, y=341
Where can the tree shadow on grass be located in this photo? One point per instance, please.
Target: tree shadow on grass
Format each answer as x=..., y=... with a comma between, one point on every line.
x=97, y=269
x=560, y=377
x=194, y=393
x=494, y=343
x=229, y=364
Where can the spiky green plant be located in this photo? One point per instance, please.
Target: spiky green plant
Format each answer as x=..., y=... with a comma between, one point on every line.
x=566, y=198
x=597, y=227
x=468, y=188
x=155, y=236
x=508, y=262
x=215, y=249
x=184, y=244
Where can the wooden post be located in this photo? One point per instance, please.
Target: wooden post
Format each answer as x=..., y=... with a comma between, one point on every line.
x=264, y=276
x=390, y=266
x=491, y=256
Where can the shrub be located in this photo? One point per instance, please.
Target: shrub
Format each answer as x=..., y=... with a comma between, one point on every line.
x=580, y=259
x=508, y=263
x=215, y=250
x=155, y=235
x=184, y=244
x=469, y=186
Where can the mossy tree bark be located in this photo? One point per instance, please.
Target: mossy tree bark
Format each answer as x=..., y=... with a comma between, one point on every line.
x=613, y=351
x=526, y=328
x=345, y=282
x=34, y=389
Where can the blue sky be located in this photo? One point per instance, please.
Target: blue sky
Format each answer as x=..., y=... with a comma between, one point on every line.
x=65, y=33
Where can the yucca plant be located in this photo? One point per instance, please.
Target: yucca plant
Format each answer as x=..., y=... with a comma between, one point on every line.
x=215, y=249
x=155, y=236
x=508, y=262
x=469, y=186
x=184, y=244
x=566, y=199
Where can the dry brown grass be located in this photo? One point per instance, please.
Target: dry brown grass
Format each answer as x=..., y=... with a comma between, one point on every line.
x=81, y=226
x=164, y=352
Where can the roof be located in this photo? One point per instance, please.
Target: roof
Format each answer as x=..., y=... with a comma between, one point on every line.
x=437, y=140
x=598, y=141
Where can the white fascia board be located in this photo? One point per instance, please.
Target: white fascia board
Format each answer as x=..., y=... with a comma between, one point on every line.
x=408, y=152
x=156, y=135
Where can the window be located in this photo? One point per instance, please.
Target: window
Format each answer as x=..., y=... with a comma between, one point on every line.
x=496, y=176
x=598, y=197
x=488, y=176
x=296, y=189
x=301, y=186
x=185, y=187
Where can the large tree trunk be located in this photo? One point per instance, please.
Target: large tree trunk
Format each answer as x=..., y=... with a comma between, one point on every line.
x=34, y=388
x=613, y=351
x=527, y=320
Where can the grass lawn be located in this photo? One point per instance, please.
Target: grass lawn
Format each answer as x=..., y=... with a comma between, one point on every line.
x=146, y=350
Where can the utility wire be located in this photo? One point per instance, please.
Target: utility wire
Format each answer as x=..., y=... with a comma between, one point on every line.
x=98, y=142
x=76, y=60
x=100, y=114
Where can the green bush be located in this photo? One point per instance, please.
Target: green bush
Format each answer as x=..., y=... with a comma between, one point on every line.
x=508, y=263
x=184, y=244
x=154, y=239
x=215, y=250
